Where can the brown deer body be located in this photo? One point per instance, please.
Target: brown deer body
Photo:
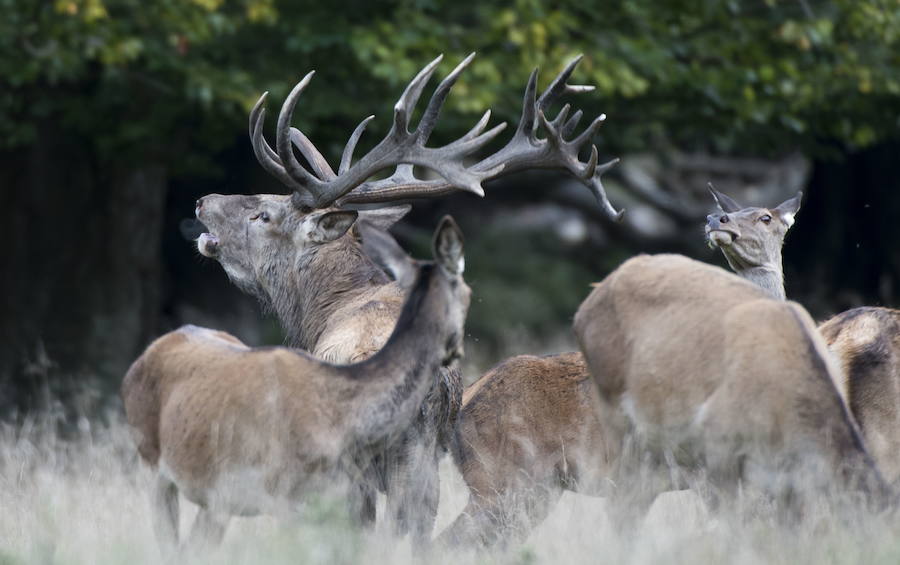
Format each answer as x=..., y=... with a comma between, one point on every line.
x=528, y=430
x=242, y=430
x=298, y=254
x=864, y=341
x=706, y=371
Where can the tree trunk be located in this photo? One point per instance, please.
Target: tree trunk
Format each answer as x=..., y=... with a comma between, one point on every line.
x=81, y=271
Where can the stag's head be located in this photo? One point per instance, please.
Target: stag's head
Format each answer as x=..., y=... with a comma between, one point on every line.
x=255, y=237
x=750, y=236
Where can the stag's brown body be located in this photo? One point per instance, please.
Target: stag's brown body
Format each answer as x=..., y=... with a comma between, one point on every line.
x=528, y=430
x=239, y=430
x=704, y=369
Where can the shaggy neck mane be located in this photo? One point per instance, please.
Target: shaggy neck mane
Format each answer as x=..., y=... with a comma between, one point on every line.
x=319, y=284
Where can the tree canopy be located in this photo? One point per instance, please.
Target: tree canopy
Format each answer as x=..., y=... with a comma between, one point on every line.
x=177, y=77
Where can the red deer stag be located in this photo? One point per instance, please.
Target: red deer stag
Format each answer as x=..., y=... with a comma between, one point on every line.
x=241, y=431
x=296, y=255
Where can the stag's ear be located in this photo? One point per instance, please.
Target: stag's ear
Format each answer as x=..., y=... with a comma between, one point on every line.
x=789, y=208
x=447, y=246
x=725, y=203
x=331, y=225
x=384, y=218
x=382, y=248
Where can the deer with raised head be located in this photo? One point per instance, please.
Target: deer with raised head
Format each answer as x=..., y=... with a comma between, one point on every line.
x=241, y=431
x=751, y=239
x=865, y=341
x=706, y=372
x=300, y=257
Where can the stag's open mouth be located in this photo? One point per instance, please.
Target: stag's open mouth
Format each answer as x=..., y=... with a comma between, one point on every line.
x=208, y=244
x=720, y=238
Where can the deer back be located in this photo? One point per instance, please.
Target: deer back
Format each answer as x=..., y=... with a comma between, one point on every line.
x=680, y=347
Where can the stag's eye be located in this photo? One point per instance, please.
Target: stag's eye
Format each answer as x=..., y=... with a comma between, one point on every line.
x=765, y=219
x=263, y=216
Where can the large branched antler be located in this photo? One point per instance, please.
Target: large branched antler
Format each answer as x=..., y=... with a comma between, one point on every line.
x=400, y=147
x=403, y=149
x=524, y=151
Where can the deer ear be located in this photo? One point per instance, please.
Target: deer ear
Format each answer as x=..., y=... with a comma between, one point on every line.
x=725, y=203
x=789, y=208
x=382, y=248
x=332, y=225
x=447, y=246
x=384, y=218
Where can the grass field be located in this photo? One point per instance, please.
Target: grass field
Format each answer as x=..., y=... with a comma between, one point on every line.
x=84, y=500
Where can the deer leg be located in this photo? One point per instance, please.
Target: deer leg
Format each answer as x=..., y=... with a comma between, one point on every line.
x=207, y=531
x=640, y=476
x=499, y=520
x=165, y=516
x=361, y=503
x=413, y=489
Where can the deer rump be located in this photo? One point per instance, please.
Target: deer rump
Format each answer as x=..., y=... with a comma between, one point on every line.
x=708, y=372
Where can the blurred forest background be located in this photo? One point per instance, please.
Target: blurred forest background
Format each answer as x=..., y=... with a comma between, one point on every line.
x=116, y=115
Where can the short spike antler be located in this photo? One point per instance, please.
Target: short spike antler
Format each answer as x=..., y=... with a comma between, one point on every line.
x=404, y=149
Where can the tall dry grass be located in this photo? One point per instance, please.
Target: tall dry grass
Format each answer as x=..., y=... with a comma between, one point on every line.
x=84, y=500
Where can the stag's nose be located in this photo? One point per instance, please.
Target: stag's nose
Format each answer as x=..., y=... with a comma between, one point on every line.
x=199, y=203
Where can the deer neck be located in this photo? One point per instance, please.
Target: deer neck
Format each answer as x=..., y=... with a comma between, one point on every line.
x=321, y=283
x=768, y=277
x=394, y=382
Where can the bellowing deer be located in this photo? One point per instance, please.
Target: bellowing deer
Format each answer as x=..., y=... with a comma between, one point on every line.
x=241, y=431
x=706, y=371
x=864, y=341
x=300, y=257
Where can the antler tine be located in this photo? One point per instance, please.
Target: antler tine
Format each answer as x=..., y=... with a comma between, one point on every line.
x=560, y=118
x=255, y=123
x=283, y=140
x=433, y=110
x=264, y=154
x=477, y=128
x=559, y=86
x=404, y=106
x=570, y=126
x=529, y=106
x=589, y=131
x=316, y=160
x=595, y=185
x=347, y=155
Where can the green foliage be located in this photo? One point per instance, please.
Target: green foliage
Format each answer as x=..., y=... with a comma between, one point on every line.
x=175, y=78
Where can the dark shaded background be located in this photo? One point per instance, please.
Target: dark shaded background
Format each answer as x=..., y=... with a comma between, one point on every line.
x=115, y=115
